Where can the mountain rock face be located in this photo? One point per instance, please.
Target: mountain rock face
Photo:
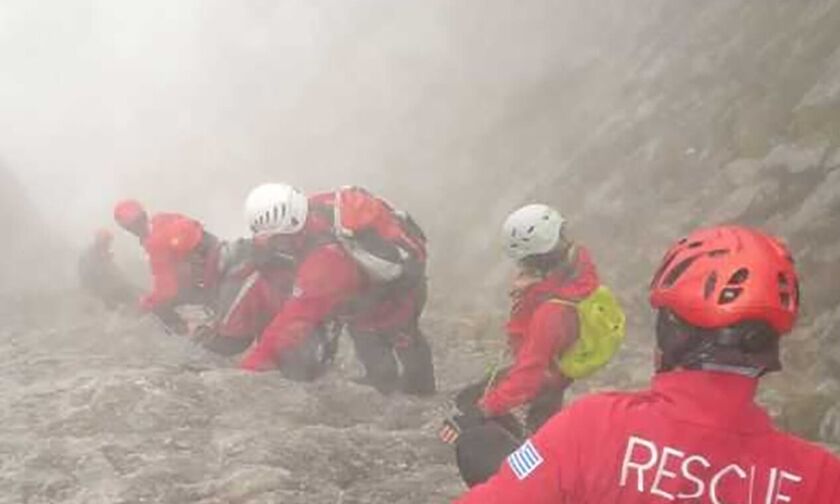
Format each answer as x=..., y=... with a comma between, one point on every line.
x=714, y=113
x=31, y=253
x=13, y=208
x=680, y=114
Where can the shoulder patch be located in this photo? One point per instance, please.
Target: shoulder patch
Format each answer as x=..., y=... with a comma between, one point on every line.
x=524, y=461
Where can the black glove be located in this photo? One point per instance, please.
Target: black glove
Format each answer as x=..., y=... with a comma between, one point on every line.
x=456, y=424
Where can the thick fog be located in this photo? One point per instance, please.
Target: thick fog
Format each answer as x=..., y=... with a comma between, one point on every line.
x=187, y=104
x=639, y=120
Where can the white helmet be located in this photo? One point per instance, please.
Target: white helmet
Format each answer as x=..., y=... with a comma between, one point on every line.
x=531, y=230
x=276, y=209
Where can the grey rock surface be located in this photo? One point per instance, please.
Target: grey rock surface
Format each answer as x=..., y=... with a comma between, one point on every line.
x=103, y=408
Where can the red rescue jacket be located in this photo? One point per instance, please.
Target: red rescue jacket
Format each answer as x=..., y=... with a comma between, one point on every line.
x=539, y=331
x=175, y=270
x=696, y=436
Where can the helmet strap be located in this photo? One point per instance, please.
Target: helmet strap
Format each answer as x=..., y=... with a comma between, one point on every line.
x=749, y=372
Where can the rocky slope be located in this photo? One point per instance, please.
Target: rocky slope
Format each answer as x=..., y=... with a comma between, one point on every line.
x=98, y=408
x=32, y=257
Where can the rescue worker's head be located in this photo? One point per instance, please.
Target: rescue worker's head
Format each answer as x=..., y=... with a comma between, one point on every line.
x=533, y=236
x=725, y=296
x=132, y=217
x=102, y=240
x=276, y=213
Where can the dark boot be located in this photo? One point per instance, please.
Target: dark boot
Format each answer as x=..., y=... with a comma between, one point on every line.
x=377, y=356
x=418, y=370
x=222, y=345
x=172, y=322
x=305, y=362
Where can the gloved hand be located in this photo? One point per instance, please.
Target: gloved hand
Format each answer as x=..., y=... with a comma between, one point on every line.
x=453, y=426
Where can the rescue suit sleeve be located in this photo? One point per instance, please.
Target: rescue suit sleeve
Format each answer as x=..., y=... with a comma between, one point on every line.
x=324, y=281
x=164, y=280
x=544, y=470
x=828, y=480
x=552, y=330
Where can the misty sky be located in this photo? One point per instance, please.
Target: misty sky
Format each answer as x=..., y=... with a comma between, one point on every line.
x=187, y=104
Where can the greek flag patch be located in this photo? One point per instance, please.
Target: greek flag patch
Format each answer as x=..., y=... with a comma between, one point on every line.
x=525, y=460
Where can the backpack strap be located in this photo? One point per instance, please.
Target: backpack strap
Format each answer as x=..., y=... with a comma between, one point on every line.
x=494, y=372
x=564, y=302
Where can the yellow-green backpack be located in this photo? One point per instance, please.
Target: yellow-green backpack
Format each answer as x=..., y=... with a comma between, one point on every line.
x=601, y=329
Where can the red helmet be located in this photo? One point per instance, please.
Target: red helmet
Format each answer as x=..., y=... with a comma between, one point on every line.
x=721, y=276
x=128, y=213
